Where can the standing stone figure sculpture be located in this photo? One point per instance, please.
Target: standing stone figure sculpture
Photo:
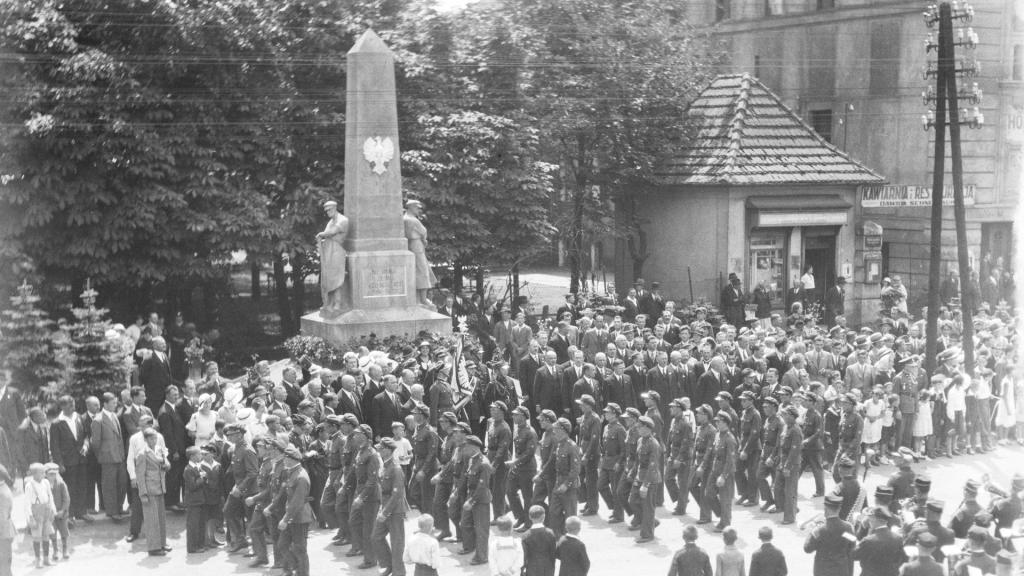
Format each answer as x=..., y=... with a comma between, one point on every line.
x=332, y=260
x=416, y=233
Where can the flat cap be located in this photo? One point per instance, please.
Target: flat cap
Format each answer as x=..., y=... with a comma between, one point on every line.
x=833, y=500
x=972, y=486
x=500, y=405
x=791, y=411
x=786, y=390
x=705, y=410
x=613, y=407
x=848, y=397
x=935, y=505
x=771, y=400
x=884, y=491
x=723, y=395
x=475, y=441
x=450, y=417
x=678, y=403
x=588, y=400
x=333, y=419
x=564, y=424
x=350, y=419
x=652, y=394
x=421, y=409
x=646, y=421
x=548, y=415
x=926, y=540
x=747, y=395
x=923, y=482
x=881, y=512
x=234, y=429
x=724, y=417
x=388, y=443
x=632, y=413
x=977, y=534
x=522, y=411
x=293, y=453
x=364, y=429
x=463, y=427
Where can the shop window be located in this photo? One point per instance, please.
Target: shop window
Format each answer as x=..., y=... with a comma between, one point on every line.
x=821, y=121
x=768, y=262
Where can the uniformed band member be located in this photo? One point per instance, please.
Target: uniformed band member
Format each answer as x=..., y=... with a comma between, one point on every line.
x=390, y=521
x=613, y=448
x=849, y=487
x=963, y=518
x=789, y=462
x=832, y=542
x=648, y=480
x=522, y=467
x=931, y=524
x=476, y=508
x=880, y=553
x=565, y=464
x=924, y=564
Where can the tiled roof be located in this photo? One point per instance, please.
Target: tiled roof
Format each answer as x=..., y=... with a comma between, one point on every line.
x=745, y=135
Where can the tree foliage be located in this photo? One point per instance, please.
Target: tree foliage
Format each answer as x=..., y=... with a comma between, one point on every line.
x=27, y=347
x=99, y=364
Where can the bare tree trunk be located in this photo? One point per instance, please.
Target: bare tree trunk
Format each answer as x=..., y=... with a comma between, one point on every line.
x=457, y=276
x=254, y=272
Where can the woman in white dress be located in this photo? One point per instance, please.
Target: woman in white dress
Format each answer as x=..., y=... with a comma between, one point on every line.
x=874, y=410
x=203, y=424
x=1006, y=413
x=923, y=423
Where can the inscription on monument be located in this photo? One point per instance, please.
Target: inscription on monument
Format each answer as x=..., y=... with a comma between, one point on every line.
x=385, y=281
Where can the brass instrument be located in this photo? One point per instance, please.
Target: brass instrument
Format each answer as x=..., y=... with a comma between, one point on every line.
x=813, y=522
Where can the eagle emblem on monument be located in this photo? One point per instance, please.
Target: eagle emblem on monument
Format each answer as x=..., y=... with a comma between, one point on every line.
x=378, y=152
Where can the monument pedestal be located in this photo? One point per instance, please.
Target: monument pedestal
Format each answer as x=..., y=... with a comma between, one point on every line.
x=380, y=297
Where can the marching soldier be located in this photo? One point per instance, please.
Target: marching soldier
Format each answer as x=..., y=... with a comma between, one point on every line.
x=648, y=480
x=346, y=480
x=459, y=466
x=652, y=401
x=366, y=498
x=680, y=457
x=425, y=445
x=244, y=470
x=445, y=477
x=590, y=446
x=566, y=467
x=832, y=543
x=721, y=460
x=545, y=477
x=297, y=515
x=851, y=428
x=329, y=499
x=705, y=440
x=813, y=432
x=390, y=522
x=788, y=475
x=271, y=451
x=1006, y=509
x=963, y=519
x=499, y=446
x=918, y=503
x=771, y=432
x=522, y=468
x=477, y=505
x=750, y=451
x=631, y=422
x=613, y=448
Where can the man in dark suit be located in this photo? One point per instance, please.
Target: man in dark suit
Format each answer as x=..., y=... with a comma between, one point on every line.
x=374, y=386
x=547, y=385
x=618, y=388
x=68, y=449
x=176, y=440
x=12, y=407
x=835, y=301
x=527, y=371
x=32, y=440
x=637, y=375
x=779, y=359
x=539, y=545
x=155, y=375
x=290, y=381
x=660, y=379
x=708, y=385
x=559, y=341
x=570, y=307
x=571, y=551
x=733, y=302
x=107, y=441
x=387, y=408
x=522, y=335
x=502, y=334
x=571, y=374
x=348, y=398
x=133, y=411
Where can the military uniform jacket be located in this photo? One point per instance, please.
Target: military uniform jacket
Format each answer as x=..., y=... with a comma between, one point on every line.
x=478, y=480
x=880, y=553
x=335, y=457
x=963, y=519
x=245, y=468
x=264, y=483
x=723, y=456
x=348, y=464
x=659, y=422
x=525, y=446
x=425, y=443
x=812, y=432
x=296, y=489
x=925, y=566
x=943, y=536
x=902, y=484
x=790, y=450
x=590, y=439
x=567, y=464
x=851, y=428
x=546, y=448
x=832, y=548
x=705, y=439
x=849, y=489
x=447, y=460
x=750, y=429
x=392, y=489
x=648, y=457
x=613, y=446
x=499, y=442
x=771, y=430
x=632, y=439
x=1005, y=511
x=680, y=442
x=367, y=468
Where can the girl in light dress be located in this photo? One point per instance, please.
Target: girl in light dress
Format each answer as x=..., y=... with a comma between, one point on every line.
x=40, y=511
x=203, y=424
x=1006, y=411
x=923, y=423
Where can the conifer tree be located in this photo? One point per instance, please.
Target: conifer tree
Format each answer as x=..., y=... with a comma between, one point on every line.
x=98, y=364
x=27, y=346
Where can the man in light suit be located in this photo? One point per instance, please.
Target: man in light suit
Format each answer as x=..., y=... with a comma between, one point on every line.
x=860, y=374
x=155, y=375
x=68, y=447
x=107, y=442
x=522, y=334
x=819, y=360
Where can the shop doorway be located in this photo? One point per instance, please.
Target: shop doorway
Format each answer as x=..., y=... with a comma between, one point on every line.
x=997, y=245
x=820, y=254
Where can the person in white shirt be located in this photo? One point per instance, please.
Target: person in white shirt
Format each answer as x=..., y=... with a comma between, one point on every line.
x=136, y=445
x=956, y=406
x=403, y=448
x=505, y=557
x=422, y=549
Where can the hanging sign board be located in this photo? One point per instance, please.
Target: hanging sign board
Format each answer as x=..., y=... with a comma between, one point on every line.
x=909, y=196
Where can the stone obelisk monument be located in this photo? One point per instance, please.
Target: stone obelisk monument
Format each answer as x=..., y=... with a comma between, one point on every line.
x=379, y=295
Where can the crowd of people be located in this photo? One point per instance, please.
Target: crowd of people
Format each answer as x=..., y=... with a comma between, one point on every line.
x=621, y=410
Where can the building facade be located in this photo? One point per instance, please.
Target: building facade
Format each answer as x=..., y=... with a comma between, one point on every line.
x=852, y=69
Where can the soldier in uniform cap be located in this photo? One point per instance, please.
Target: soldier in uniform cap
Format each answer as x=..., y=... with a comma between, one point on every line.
x=566, y=467
x=902, y=480
x=328, y=500
x=366, y=497
x=244, y=470
x=849, y=487
x=499, y=450
x=652, y=400
x=919, y=501
x=931, y=524
x=444, y=480
x=880, y=553
x=648, y=480
x=545, y=478
x=522, y=467
x=1006, y=509
x=477, y=506
x=679, y=457
x=963, y=518
x=613, y=455
x=771, y=433
x=813, y=428
x=704, y=440
x=425, y=446
x=271, y=451
x=590, y=447
x=390, y=522
x=346, y=485
x=977, y=561
x=851, y=429
x=882, y=498
x=788, y=475
x=750, y=451
x=721, y=460
x=924, y=564
x=294, y=524
x=832, y=542
x=631, y=419
x=460, y=464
